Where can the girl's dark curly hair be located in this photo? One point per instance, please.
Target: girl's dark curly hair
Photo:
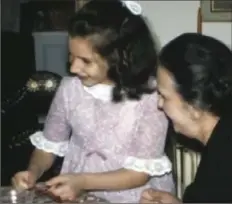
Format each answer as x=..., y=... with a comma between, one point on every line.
x=124, y=40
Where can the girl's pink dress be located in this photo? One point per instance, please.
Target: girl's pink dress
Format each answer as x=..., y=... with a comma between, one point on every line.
x=96, y=135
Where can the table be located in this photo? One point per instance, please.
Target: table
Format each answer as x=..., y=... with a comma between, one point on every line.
x=33, y=197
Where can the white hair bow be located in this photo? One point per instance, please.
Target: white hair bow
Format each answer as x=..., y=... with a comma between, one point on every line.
x=133, y=6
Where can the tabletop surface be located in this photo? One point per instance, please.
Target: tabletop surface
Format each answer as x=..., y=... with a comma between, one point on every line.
x=33, y=196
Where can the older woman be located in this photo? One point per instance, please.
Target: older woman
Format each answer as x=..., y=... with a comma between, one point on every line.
x=195, y=86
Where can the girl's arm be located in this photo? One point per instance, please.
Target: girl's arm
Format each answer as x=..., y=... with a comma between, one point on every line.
x=145, y=158
x=40, y=162
x=114, y=180
x=53, y=140
x=145, y=155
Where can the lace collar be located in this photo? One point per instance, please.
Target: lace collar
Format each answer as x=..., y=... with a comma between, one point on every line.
x=100, y=91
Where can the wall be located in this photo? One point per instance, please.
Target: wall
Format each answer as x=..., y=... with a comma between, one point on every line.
x=10, y=10
x=171, y=18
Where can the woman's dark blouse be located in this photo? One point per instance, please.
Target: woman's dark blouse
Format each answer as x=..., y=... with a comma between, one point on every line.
x=213, y=181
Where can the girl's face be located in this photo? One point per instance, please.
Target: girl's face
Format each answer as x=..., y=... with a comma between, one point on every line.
x=176, y=108
x=86, y=64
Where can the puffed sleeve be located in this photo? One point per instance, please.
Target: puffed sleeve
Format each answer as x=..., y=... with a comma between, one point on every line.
x=55, y=136
x=147, y=149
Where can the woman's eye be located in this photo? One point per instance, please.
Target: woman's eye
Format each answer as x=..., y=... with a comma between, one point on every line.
x=86, y=61
x=163, y=97
x=70, y=58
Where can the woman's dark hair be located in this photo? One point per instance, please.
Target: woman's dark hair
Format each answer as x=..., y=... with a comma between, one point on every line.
x=124, y=40
x=201, y=67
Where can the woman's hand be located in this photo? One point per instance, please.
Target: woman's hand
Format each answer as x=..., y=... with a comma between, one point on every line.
x=66, y=186
x=153, y=196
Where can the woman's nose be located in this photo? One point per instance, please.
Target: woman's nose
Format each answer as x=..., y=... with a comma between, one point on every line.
x=160, y=102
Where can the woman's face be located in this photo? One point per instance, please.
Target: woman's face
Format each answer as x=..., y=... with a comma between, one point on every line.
x=178, y=110
x=86, y=64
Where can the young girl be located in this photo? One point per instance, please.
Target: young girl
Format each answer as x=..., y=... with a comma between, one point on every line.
x=104, y=119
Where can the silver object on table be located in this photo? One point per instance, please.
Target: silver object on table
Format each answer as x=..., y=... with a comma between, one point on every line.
x=39, y=195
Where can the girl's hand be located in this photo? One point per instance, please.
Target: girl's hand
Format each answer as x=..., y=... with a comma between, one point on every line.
x=66, y=186
x=23, y=180
x=153, y=196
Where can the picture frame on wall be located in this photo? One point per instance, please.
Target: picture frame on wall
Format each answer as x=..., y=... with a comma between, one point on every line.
x=45, y=15
x=80, y=3
x=216, y=10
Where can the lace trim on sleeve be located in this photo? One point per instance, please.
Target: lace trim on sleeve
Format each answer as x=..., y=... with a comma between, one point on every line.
x=153, y=167
x=40, y=142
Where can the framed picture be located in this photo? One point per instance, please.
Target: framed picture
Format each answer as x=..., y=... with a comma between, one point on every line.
x=216, y=10
x=46, y=15
x=80, y=3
